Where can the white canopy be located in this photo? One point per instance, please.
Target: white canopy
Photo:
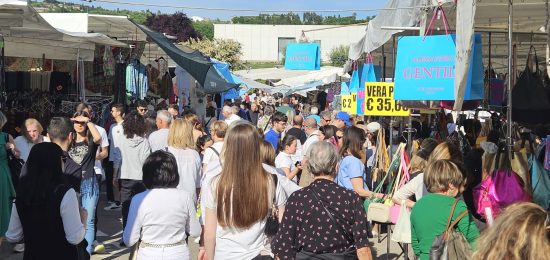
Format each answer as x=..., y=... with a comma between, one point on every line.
x=291, y=81
x=27, y=34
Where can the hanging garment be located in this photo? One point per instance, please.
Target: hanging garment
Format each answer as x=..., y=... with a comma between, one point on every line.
x=136, y=80
x=165, y=86
x=182, y=80
x=59, y=83
x=108, y=62
x=152, y=74
x=162, y=67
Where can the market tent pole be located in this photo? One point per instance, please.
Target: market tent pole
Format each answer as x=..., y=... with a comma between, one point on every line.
x=509, y=86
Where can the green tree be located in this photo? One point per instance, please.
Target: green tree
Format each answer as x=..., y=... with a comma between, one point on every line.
x=339, y=55
x=312, y=18
x=177, y=24
x=205, y=28
x=228, y=51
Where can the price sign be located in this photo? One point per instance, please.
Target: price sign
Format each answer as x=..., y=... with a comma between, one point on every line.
x=349, y=103
x=379, y=100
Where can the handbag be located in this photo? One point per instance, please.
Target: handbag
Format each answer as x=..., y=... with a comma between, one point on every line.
x=540, y=183
x=451, y=244
x=402, y=230
x=272, y=222
x=15, y=164
x=502, y=188
x=404, y=173
x=377, y=209
x=529, y=95
x=349, y=254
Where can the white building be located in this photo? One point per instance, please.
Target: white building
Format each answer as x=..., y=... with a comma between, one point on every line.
x=267, y=42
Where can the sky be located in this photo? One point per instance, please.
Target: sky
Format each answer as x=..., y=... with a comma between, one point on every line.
x=246, y=4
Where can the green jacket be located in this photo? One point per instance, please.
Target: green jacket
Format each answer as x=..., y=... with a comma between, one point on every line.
x=429, y=218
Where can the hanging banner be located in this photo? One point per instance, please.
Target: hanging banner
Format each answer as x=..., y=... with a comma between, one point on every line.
x=379, y=100
x=425, y=69
x=303, y=56
x=349, y=103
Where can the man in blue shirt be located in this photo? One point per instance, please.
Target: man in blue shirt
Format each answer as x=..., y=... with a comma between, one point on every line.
x=278, y=125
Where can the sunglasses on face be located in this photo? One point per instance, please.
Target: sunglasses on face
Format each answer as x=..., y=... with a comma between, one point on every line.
x=143, y=109
x=339, y=137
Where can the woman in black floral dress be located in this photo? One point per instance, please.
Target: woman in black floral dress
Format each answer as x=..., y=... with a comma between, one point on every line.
x=323, y=220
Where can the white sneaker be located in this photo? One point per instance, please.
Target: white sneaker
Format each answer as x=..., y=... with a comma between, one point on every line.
x=113, y=206
x=19, y=248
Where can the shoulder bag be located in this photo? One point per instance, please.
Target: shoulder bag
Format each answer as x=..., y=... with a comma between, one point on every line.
x=15, y=164
x=451, y=244
x=349, y=254
x=272, y=222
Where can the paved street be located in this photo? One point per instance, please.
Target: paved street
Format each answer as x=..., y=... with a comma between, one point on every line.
x=109, y=234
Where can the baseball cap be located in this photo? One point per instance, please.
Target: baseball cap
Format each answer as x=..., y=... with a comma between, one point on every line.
x=344, y=117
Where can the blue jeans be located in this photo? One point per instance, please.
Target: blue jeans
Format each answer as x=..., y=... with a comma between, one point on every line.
x=89, y=190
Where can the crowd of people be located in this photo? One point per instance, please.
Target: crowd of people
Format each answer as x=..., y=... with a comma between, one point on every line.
x=256, y=180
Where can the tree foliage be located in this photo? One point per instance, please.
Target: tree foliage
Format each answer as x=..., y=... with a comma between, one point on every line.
x=308, y=18
x=177, y=24
x=205, y=28
x=53, y=6
x=339, y=55
x=228, y=51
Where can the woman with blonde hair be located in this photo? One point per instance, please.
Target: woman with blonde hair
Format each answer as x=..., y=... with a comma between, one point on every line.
x=238, y=198
x=32, y=134
x=519, y=233
x=198, y=130
x=182, y=146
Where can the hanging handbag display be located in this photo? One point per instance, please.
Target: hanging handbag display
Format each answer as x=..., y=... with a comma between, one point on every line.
x=500, y=189
x=529, y=95
x=403, y=177
x=402, y=231
x=451, y=244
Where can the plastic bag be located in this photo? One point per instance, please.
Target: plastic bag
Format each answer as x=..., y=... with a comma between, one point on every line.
x=402, y=231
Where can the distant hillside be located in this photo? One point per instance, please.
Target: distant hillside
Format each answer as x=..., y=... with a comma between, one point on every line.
x=52, y=6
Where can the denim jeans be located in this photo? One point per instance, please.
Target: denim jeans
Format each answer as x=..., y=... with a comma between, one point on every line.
x=89, y=190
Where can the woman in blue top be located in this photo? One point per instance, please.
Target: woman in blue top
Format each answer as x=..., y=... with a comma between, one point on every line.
x=352, y=169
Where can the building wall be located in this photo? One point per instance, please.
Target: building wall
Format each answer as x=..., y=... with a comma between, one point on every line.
x=261, y=42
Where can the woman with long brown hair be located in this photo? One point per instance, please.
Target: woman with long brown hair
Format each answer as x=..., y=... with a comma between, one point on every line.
x=238, y=198
x=198, y=130
x=352, y=168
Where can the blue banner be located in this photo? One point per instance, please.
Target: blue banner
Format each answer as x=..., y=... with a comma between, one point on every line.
x=425, y=69
x=303, y=56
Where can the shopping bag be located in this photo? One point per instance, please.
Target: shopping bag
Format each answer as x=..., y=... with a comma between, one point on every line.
x=402, y=230
x=540, y=183
x=303, y=56
x=425, y=68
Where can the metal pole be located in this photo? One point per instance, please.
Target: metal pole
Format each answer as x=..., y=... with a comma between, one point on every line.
x=509, y=86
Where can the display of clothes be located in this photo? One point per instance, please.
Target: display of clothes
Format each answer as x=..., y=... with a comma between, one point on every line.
x=152, y=76
x=183, y=82
x=136, y=80
x=108, y=62
x=54, y=82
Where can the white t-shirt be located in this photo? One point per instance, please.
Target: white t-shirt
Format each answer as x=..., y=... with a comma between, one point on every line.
x=232, y=119
x=161, y=216
x=284, y=160
x=104, y=143
x=311, y=139
x=159, y=139
x=116, y=133
x=232, y=243
x=25, y=146
x=210, y=155
x=189, y=169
